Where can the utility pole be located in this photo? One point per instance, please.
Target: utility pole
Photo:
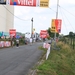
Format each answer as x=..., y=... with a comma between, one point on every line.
x=56, y=18
x=32, y=29
x=57, y=9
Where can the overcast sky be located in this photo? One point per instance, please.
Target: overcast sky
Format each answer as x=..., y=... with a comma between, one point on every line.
x=42, y=16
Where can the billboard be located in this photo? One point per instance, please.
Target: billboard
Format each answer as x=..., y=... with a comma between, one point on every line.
x=22, y=2
x=44, y=34
x=34, y=3
x=12, y=33
x=44, y=3
x=56, y=25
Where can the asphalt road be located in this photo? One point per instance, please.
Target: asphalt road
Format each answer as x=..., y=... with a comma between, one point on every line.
x=18, y=61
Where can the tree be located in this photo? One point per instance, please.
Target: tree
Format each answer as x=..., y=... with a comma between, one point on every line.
x=71, y=34
x=52, y=34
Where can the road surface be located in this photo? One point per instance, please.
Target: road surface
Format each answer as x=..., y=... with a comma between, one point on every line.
x=18, y=61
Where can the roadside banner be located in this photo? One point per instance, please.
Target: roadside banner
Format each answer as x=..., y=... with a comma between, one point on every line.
x=47, y=46
x=56, y=25
x=12, y=33
x=1, y=43
x=5, y=44
x=44, y=34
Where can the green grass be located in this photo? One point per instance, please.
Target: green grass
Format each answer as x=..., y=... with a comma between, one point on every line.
x=60, y=62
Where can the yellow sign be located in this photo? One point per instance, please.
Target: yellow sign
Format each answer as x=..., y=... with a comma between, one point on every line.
x=34, y=29
x=56, y=25
x=44, y=3
x=53, y=28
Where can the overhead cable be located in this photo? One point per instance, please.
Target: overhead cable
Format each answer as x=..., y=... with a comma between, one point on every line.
x=14, y=15
x=67, y=11
x=69, y=22
x=52, y=10
x=64, y=21
x=4, y=18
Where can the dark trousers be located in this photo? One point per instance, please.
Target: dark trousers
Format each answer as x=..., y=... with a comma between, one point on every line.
x=17, y=44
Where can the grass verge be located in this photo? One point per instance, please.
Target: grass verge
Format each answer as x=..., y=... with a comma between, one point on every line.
x=60, y=62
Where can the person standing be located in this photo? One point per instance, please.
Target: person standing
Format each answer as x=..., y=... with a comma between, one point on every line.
x=30, y=41
x=17, y=43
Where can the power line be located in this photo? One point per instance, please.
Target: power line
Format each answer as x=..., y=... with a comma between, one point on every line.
x=5, y=18
x=64, y=22
x=20, y=18
x=52, y=10
x=69, y=22
x=14, y=15
x=67, y=11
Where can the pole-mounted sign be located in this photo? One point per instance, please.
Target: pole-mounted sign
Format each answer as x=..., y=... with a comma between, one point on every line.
x=56, y=25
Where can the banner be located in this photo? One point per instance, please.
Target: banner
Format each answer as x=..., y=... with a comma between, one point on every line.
x=44, y=34
x=5, y=44
x=56, y=25
x=53, y=26
x=47, y=46
x=44, y=3
x=12, y=32
x=34, y=3
x=22, y=2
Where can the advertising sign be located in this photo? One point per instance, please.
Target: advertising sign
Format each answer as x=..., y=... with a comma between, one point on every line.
x=34, y=3
x=56, y=25
x=53, y=26
x=5, y=44
x=23, y=2
x=43, y=34
x=44, y=3
x=12, y=32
